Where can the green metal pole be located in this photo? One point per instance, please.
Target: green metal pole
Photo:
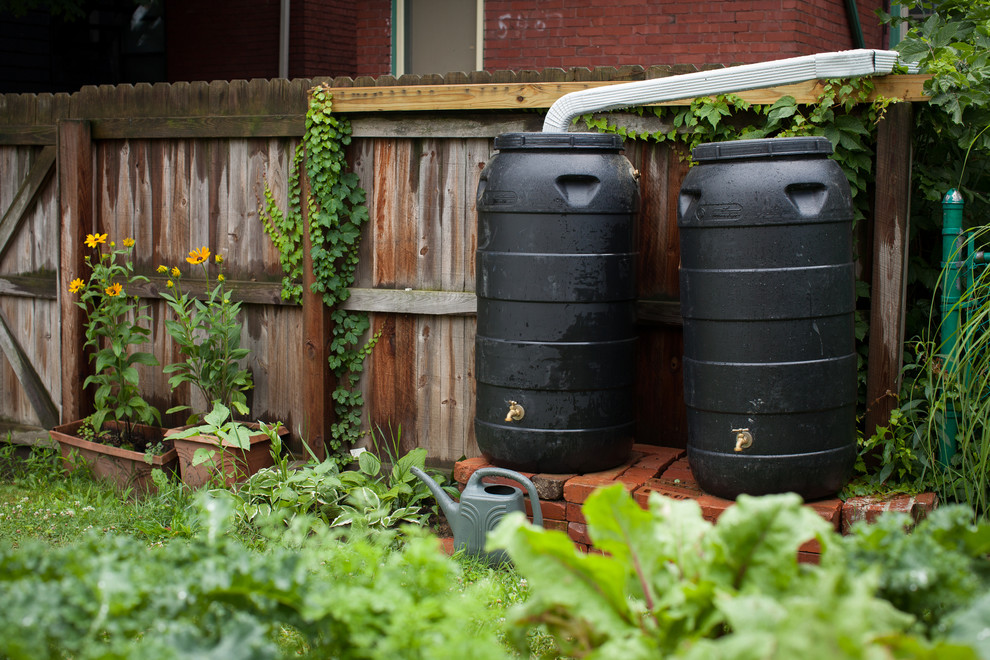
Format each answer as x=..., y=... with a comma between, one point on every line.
x=953, y=262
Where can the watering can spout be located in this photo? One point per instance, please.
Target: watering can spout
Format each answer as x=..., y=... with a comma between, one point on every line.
x=449, y=506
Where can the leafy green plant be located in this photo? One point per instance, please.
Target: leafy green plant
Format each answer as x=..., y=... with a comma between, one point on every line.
x=310, y=592
x=113, y=327
x=384, y=499
x=370, y=496
x=947, y=39
x=286, y=493
x=672, y=585
x=208, y=335
x=230, y=434
x=936, y=572
x=958, y=413
x=336, y=211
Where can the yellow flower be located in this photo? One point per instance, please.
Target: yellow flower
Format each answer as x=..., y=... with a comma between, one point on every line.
x=128, y=242
x=163, y=269
x=175, y=271
x=114, y=289
x=198, y=256
x=112, y=244
x=170, y=284
x=92, y=240
x=76, y=285
x=219, y=258
x=220, y=277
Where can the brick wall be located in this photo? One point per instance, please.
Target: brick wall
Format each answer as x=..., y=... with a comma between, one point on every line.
x=224, y=39
x=374, y=37
x=323, y=41
x=574, y=33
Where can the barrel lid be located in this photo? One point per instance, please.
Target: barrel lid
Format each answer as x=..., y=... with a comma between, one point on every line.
x=763, y=148
x=558, y=141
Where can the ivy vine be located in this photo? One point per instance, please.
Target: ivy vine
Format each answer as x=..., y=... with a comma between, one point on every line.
x=336, y=211
x=846, y=112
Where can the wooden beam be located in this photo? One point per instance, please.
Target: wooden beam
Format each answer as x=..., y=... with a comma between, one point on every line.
x=37, y=393
x=518, y=96
x=410, y=301
x=412, y=98
x=76, y=183
x=892, y=211
x=259, y=293
x=43, y=286
x=244, y=126
x=14, y=216
x=27, y=135
x=317, y=385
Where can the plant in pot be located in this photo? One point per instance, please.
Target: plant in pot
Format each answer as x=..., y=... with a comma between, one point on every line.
x=207, y=333
x=221, y=450
x=118, y=441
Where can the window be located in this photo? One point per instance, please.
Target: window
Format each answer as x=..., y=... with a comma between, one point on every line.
x=437, y=36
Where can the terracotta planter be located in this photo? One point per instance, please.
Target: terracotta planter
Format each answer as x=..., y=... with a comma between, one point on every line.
x=234, y=463
x=124, y=467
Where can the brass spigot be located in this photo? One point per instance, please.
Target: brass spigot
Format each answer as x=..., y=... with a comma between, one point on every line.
x=516, y=412
x=744, y=439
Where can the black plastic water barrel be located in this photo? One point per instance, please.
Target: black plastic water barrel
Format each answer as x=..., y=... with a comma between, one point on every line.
x=768, y=296
x=556, y=291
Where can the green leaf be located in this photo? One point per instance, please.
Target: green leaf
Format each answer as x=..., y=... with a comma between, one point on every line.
x=218, y=415
x=369, y=464
x=756, y=541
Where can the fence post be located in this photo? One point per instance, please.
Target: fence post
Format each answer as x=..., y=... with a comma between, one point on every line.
x=75, y=179
x=892, y=210
x=317, y=383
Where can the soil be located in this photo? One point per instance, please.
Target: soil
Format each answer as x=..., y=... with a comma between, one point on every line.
x=135, y=440
x=439, y=526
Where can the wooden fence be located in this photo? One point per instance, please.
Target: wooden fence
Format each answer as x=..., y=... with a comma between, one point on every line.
x=180, y=166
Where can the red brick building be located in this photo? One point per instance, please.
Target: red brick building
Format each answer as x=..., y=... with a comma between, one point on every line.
x=375, y=37
x=229, y=39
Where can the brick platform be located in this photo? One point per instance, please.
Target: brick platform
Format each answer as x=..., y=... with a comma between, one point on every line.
x=665, y=470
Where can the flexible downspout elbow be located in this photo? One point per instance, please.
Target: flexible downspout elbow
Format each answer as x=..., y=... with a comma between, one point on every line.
x=842, y=64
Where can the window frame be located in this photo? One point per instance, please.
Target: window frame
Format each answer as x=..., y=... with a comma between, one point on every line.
x=399, y=37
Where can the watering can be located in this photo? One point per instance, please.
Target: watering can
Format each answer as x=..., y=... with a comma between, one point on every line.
x=482, y=507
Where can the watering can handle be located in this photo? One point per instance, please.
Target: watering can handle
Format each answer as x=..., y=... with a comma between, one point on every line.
x=534, y=498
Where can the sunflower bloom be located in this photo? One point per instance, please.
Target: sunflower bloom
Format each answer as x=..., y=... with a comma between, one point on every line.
x=175, y=271
x=169, y=284
x=76, y=285
x=92, y=240
x=114, y=289
x=219, y=258
x=220, y=277
x=162, y=269
x=199, y=256
x=128, y=242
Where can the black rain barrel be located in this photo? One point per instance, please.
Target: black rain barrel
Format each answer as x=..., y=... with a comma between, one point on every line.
x=555, y=280
x=767, y=297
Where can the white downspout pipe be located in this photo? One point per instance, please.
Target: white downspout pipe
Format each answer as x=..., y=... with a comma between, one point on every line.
x=842, y=64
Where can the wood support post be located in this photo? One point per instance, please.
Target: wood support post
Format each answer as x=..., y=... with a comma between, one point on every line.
x=892, y=207
x=75, y=179
x=317, y=385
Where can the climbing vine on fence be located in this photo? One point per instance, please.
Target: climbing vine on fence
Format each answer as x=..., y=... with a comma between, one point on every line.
x=844, y=113
x=336, y=211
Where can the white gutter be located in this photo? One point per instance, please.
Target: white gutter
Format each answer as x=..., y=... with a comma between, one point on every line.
x=843, y=64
